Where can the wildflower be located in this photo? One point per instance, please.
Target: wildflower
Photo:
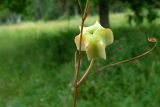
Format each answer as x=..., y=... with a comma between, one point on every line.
x=95, y=38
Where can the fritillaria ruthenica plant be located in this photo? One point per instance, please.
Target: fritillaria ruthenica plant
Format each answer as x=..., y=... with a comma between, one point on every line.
x=93, y=40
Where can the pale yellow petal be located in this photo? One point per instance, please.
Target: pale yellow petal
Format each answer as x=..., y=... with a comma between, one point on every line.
x=106, y=35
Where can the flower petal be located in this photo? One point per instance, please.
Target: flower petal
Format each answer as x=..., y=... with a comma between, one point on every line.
x=92, y=28
x=106, y=35
x=85, y=38
x=95, y=49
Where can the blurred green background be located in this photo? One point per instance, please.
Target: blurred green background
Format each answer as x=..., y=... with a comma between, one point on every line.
x=37, y=54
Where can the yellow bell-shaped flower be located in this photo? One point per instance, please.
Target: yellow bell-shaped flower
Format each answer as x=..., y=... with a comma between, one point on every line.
x=95, y=38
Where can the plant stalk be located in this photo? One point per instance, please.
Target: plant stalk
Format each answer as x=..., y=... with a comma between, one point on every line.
x=86, y=72
x=77, y=65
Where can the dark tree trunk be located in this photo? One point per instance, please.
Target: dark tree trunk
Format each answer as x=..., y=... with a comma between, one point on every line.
x=104, y=13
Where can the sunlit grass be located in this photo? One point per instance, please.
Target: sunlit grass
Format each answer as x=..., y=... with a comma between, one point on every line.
x=55, y=25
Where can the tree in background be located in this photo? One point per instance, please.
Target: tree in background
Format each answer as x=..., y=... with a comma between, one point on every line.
x=144, y=9
x=37, y=9
x=104, y=12
x=47, y=9
x=53, y=9
x=13, y=8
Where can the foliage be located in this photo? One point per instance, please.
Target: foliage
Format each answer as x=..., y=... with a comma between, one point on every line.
x=32, y=73
x=39, y=9
x=13, y=5
x=45, y=9
x=142, y=9
x=145, y=9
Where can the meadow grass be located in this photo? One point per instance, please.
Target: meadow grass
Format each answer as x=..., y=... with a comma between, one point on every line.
x=37, y=66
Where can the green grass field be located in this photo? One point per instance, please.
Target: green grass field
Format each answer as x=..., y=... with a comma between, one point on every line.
x=37, y=66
